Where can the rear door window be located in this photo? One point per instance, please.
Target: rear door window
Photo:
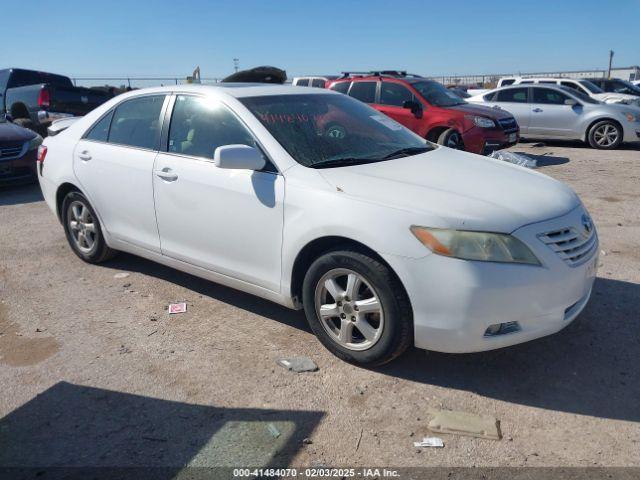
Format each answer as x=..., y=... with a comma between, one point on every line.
x=512, y=95
x=136, y=122
x=302, y=82
x=394, y=94
x=317, y=82
x=364, y=91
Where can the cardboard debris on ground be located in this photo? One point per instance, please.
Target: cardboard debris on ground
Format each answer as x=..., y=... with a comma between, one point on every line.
x=121, y=275
x=177, y=308
x=298, y=364
x=463, y=423
x=429, y=442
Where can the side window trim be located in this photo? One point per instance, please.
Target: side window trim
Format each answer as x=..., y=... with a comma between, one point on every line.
x=166, y=126
x=111, y=111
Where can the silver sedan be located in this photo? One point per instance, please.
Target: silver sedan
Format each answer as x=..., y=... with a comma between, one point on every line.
x=554, y=112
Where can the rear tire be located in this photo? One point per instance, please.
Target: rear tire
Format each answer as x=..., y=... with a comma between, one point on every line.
x=357, y=308
x=83, y=230
x=605, y=135
x=451, y=138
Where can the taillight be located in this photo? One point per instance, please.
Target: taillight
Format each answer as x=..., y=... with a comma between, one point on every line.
x=42, y=152
x=44, y=98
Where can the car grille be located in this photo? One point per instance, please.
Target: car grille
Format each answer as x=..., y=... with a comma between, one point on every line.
x=11, y=150
x=509, y=125
x=572, y=247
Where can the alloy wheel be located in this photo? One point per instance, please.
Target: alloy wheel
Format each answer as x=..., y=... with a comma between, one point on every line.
x=349, y=309
x=454, y=140
x=81, y=226
x=606, y=135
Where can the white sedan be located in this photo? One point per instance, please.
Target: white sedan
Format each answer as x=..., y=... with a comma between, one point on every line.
x=384, y=239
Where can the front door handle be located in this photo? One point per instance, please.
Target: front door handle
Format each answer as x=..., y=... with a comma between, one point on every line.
x=84, y=155
x=166, y=174
x=537, y=110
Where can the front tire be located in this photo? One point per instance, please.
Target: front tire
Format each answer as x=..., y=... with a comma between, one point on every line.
x=451, y=138
x=605, y=135
x=83, y=230
x=357, y=308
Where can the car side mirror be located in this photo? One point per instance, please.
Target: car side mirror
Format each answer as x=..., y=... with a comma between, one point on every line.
x=570, y=101
x=415, y=107
x=238, y=157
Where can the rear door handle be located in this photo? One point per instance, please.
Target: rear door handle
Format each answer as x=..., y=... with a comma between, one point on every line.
x=84, y=155
x=537, y=110
x=166, y=174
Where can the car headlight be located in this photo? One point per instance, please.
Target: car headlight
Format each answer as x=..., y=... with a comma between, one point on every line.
x=482, y=122
x=35, y=142
x=481, y=246
x=632, y=117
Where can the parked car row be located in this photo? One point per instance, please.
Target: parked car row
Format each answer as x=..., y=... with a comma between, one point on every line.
x=540, y=108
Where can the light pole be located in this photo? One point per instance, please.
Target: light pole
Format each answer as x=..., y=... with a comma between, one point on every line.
x=611, y=52
x=236, y=64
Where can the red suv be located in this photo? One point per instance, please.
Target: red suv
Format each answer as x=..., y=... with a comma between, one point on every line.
x=432, y=111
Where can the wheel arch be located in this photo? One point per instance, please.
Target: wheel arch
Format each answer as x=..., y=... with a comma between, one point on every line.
x=19, y=110
x=319, y=246
x=63, y=190
x=435, y=132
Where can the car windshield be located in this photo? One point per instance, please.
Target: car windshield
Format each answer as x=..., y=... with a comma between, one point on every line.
x=331, y=130
x=622, y=86
x=583, y=97
x=592, y=87
x=436, y=94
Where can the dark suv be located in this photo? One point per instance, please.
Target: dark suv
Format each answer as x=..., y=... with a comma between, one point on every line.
x=432, y=111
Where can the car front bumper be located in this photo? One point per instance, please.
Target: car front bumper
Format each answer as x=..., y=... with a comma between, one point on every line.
x=455, y=301
x=483, y=141
x=18, y=171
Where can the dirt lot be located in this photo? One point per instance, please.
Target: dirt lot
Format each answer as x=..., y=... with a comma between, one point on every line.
x=95, y=372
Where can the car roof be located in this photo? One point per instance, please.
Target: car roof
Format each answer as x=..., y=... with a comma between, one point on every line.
x=237, y=90
x=555, y=79
x=530, y=85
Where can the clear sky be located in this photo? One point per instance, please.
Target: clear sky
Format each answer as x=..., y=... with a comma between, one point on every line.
x=169, y=37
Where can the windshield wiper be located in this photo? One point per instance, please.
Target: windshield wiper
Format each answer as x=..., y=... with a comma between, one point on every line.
x=343, y=162
x=406, y=152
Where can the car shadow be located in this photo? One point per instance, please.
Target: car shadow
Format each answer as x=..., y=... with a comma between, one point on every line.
x=574, y=144
x=74, y=431
x=230, y=296
x=589, y=368
x=20, y=194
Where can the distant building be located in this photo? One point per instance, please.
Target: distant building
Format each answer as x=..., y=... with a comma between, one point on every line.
x=625, y=73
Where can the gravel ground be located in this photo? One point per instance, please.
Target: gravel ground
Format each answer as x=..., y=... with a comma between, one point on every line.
x=95, y=371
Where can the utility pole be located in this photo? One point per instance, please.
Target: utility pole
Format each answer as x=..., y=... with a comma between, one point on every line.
x=236, y=64
x=611, y=52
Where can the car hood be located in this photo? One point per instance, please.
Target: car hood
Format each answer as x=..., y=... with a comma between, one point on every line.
x=454, y=189
x=610, y=97
x=10, y=132
x=474, y=109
